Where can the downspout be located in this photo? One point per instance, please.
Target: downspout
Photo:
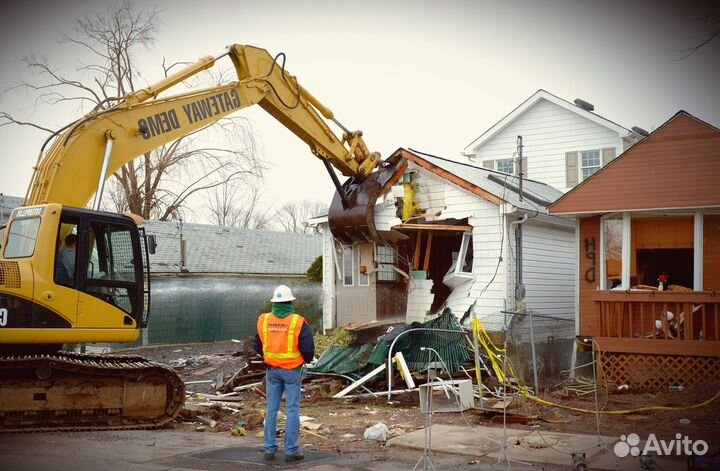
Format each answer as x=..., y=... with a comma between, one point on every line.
x=519, y=288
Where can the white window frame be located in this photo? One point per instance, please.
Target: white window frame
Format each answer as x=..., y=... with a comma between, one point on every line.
x=360, y=276
x=382, y=266
x=581, y=175
x=345, y=262
x=698, y=249
x=512, y=164
x=462, y=253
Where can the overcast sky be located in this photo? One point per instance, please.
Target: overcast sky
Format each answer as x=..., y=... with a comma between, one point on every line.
x=427, y=75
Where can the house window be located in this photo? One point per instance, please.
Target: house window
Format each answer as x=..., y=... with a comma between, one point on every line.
x=589, y=162
x=711, y=252
x=348, y=268
x=662, y=246
x=612, y=231
x=387, y=260
x=361, y=255
x=506, y=166
x=463, y=259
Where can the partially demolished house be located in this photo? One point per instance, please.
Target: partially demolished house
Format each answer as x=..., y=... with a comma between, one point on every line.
x=453, y=246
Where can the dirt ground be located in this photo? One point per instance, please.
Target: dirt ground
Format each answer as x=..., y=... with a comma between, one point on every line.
x=338, y=425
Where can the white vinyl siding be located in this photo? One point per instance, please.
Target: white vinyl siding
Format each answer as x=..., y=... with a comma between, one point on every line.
x=549, y=131
x=549, y=271
x=329, y=277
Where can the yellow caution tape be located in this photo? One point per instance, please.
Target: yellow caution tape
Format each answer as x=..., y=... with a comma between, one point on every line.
x=494, y=352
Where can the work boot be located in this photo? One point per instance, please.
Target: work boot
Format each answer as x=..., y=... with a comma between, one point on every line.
x=269, y=456
x=296, y=457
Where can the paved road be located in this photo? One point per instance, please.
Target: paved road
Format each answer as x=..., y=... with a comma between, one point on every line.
x=174, y=450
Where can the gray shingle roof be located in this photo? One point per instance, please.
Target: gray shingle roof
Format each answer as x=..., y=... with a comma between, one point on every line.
x=7, y=204
x=537, y=195
x=216, y=249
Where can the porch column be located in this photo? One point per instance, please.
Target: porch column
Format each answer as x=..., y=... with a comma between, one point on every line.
x=698, y=252
x=626, y=235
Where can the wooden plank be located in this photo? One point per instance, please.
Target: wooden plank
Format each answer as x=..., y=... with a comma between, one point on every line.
x=428, y=248
x=642, y=321
x=432, y=227
x=659, y=346
x=695, y=297
x=404, y=370
x=688, y=321
x=361, y=381
x=450, y=177
x=416, y=258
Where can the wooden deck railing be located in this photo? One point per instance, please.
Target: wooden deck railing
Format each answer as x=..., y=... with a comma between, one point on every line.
x=659, y=322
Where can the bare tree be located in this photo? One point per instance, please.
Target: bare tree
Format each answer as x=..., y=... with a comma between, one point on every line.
x=708, y=22
x=159, y=183
x=293, y=217
x=228, y=205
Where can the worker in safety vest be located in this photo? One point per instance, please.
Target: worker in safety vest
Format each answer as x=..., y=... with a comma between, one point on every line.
x=285, y=340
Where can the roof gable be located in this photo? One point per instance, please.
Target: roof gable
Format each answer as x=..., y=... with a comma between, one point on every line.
x=675, y=167
x=530, y=102
x=495, y=187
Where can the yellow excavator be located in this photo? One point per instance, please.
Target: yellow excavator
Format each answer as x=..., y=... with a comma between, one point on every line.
x=73, y=275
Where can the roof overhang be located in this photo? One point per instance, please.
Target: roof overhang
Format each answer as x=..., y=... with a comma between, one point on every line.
x=451, y=177
x=532, y=100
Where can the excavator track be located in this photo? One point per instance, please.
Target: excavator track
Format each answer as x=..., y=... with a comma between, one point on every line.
x=77, y=391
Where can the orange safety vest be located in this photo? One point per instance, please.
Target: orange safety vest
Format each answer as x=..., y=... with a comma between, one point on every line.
x=280, y=340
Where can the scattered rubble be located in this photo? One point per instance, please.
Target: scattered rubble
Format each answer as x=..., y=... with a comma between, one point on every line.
x=378, y=432
x=234, y=403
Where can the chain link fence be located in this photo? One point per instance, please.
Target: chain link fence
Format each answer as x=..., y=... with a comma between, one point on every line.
x=537, y=344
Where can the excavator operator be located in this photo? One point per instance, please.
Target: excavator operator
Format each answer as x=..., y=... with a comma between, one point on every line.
x=285, y=340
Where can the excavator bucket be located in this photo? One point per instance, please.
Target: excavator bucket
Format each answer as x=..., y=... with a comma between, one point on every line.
x=352, y=212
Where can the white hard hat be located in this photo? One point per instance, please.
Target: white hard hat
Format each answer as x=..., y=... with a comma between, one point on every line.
x=282, y=294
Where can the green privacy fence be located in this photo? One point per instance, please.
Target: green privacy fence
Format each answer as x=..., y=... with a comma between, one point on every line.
x=206, y=309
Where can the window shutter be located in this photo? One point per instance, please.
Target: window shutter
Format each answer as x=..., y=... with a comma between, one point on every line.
x=608, y=154
x=489, y=164
x=571, y=169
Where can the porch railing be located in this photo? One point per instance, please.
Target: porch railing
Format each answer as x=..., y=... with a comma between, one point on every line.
x=659, y=321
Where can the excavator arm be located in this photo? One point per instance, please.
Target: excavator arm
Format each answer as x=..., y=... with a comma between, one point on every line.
x=92, y=148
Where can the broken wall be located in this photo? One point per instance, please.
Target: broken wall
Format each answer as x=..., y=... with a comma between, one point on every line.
x=434, y=194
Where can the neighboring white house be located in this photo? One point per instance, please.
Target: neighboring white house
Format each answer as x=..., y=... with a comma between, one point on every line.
x=458, y=251
x=563, y=143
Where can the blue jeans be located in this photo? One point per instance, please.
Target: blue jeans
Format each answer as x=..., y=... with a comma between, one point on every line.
x=278, y=380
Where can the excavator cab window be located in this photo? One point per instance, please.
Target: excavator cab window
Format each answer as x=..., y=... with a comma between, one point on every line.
x=111, y=272
x=22, y=235
x=99, y=254
x=66, y=254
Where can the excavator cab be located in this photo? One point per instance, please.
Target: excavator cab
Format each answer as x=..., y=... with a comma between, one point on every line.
x=89, y=270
